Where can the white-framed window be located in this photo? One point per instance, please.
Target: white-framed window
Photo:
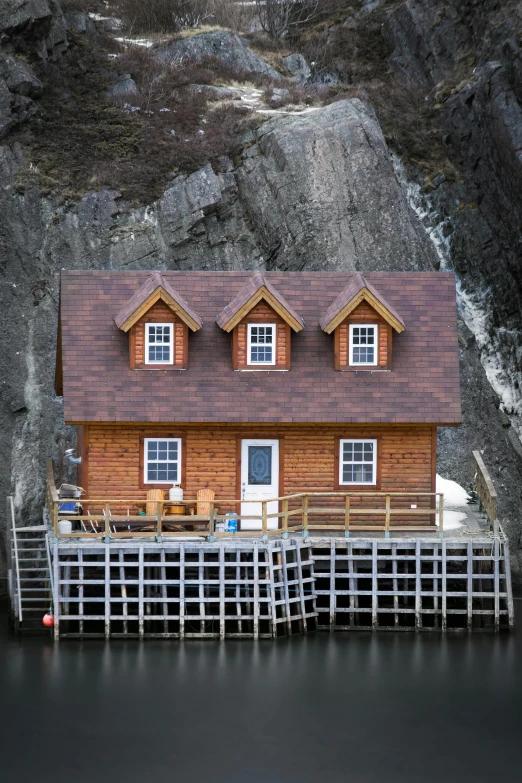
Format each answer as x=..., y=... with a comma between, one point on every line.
x=358, y=462
x=162, y=460
x=159, y=343
x=363, y=344
x=261, y=344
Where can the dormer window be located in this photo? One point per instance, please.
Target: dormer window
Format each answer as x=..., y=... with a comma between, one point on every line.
x=363, y=344
x=261, y=344
x=362, y=322
x=261, y=322
x=159, y=343
x=157, y=320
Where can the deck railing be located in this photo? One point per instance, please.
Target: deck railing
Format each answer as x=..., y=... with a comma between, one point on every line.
x=304, y=512
x=486, y=492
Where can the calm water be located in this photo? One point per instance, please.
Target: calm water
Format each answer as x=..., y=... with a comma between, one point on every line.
x=347, y=708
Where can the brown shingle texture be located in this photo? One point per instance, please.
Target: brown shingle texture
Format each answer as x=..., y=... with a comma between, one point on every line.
x=423, y=386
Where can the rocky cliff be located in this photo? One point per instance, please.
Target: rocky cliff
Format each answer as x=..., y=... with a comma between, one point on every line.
x=315, y=189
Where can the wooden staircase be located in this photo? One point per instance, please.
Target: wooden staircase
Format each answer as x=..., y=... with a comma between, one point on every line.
x=29, y=573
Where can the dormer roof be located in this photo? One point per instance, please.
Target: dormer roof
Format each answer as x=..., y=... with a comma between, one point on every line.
x=256, y=289
x=154, y=288
x=357, y=290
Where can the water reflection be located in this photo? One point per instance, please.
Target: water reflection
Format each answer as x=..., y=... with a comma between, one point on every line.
x=390, y=707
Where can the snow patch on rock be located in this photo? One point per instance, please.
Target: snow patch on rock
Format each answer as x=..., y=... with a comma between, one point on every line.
x=472, y=306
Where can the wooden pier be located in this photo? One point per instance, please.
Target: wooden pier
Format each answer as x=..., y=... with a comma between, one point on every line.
x=190, y=589
x=420, y=584
x=305, y=574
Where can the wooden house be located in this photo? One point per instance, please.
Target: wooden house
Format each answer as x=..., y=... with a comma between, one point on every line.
x=259, y=386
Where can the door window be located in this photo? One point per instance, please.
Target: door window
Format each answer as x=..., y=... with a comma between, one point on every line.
x=260, y=465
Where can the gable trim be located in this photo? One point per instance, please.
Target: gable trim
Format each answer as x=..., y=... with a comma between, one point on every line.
x=364, y=295
x=155, y=296
x=262, y=294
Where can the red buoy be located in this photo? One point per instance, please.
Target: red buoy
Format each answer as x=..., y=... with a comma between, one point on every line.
x=48, y=620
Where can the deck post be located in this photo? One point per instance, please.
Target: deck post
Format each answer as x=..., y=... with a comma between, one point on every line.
x=256, y=591
x=264, y=521
x=159, y=520
x=107, y=595
x=507, y=582
x=441, y=514
x=222, y=604
x=284, y=534
x=56, y=590
x=55, y=519
x=496, y=573
x=211, y=523
x=388, y=514
x=347, y=516
x=444, y=601
x=470, y=587
x=107, y=517
x=418, y=586
x=333, y=601
x=141, y=576
x=304, y=506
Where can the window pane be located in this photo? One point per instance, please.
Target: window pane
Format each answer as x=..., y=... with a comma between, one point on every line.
x=347, y=473
x=159, y=343
x=260, y=464
x=363, y=344
x=261, y=353
x=162, y=461
x=358, y=462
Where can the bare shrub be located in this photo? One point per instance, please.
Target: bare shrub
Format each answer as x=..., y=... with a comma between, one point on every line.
x=171, y=16
x=135, y=143
x=283, y=18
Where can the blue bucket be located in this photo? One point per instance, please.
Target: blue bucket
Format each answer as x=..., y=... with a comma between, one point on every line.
x=231, y=523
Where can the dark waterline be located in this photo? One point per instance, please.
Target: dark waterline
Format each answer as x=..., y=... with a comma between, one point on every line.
x=360, y=708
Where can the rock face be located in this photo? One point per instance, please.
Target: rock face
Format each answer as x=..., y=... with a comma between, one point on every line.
x=321, y=193
x=33, y=27
x=29, y=27
x=17, y=88
x=226, y=46
x=467, y=58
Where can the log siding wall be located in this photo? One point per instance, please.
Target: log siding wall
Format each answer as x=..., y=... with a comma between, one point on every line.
x=261, y=313
x=363, y=314
x=159, y=313
x=113, y=461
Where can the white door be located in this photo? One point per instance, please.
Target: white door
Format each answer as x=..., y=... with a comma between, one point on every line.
x=259, y=481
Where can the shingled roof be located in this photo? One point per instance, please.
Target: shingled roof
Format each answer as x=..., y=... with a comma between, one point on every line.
x=99, y=385
x=357, y=289
x=253, y=291
x=155, y=287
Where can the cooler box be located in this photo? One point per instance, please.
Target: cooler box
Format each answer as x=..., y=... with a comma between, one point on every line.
x=231, y=523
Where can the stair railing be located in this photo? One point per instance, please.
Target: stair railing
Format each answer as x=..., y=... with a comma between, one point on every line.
x=18, y=591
